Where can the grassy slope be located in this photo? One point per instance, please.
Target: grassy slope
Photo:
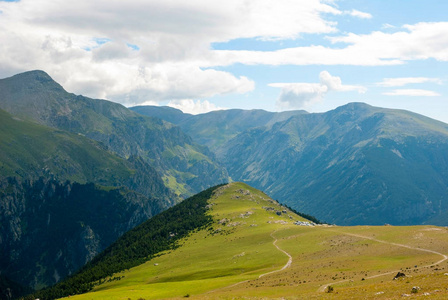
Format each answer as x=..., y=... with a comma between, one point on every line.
x=28, y=148
x=210, y=262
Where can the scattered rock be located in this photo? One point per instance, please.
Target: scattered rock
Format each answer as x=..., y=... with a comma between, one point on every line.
x=415, y=289
x=399, y=275
x=223, y=221
x=244, y=192
x=239, y=255
x=246, y=215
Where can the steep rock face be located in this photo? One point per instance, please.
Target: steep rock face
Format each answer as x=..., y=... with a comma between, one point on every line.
x=35, y=96
x=354, y=165
x=10, y=290
x=50, y=229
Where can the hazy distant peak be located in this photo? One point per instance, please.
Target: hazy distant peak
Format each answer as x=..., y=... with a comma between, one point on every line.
x=33, y=79
x=35, y=75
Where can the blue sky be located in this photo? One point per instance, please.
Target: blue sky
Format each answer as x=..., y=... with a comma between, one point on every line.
x=204, y=55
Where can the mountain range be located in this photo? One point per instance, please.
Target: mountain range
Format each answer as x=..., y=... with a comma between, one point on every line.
x=77, y=173
x=354, y=165
x=34, y=96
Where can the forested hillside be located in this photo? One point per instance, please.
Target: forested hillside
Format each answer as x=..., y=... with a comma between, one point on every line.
x=140, y=244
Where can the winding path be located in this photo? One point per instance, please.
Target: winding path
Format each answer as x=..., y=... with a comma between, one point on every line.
x=322, y=288
x=287, y=265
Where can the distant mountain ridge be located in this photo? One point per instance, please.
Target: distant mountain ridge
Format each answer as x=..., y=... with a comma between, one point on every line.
x=354, y=165
x=35, y=96
x=215, y=128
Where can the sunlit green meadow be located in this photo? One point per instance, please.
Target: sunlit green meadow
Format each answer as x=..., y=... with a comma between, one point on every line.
x=226, y=260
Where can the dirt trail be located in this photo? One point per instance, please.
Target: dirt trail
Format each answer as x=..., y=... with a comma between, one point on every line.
x=322, y=288
x=287, y=265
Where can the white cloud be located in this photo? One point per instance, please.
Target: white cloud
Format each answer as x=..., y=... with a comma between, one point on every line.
x=299, y=95
x=334, y=83
x=413, y=42
x=412, y=92
x=163, y=81
x=402, y=81
x=194, y=107
x=85, y=44
x=359, y=14
x=304, y=95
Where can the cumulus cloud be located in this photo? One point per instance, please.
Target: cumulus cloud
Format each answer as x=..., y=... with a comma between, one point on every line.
x=299, y=95
x=136, y=51
x=172, y=81
x=304, y=95
x=85, y=44
x=194, y=107
x=412, y=93
x=402, y=81
x=414, y=42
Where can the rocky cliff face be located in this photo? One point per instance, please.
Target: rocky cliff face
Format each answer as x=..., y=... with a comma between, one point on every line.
x=49, y=229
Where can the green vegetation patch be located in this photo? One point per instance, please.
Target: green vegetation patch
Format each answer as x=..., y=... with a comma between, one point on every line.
x=142, y=243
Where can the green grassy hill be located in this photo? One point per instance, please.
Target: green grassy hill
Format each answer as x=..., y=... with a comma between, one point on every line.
x=251, y=249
